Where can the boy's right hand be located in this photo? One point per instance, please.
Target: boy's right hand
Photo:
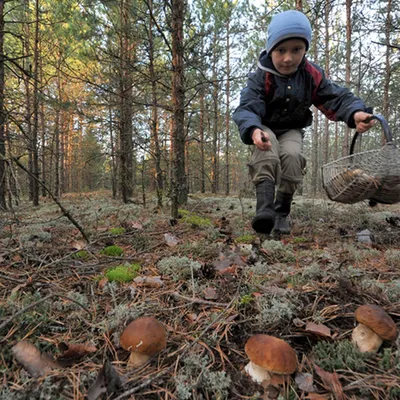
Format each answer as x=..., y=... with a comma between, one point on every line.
x=261, y=140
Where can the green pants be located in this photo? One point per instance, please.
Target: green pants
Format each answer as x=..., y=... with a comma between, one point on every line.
x=284, y=164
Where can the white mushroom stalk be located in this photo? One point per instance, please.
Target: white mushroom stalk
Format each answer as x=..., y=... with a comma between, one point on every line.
x=366, y=339
x=257, y=373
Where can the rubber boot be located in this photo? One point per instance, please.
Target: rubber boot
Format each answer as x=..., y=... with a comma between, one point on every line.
x=264, y=220
x=282, y=209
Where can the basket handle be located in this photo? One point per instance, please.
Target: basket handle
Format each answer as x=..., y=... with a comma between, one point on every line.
x=385, y=126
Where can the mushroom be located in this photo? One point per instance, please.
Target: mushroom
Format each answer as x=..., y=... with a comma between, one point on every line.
x=269, y=355
x=144, y=338
x=375, y=326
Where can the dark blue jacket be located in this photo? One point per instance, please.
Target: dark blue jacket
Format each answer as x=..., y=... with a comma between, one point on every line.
x=283, y=102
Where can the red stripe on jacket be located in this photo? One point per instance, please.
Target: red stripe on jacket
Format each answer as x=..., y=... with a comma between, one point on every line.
x=317, y=78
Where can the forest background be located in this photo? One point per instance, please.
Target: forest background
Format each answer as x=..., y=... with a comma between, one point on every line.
x=137, y=95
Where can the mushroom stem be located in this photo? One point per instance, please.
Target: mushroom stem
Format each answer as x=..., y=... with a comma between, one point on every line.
x=257, y=373
x=137, y=359
x=366, y=339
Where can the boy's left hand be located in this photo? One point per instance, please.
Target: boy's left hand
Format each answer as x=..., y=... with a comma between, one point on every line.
x=359, y=120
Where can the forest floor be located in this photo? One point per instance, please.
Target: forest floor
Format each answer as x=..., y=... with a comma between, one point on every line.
x=210, y=281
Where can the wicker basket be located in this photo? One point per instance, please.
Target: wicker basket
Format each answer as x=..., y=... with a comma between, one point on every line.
x=373, y=174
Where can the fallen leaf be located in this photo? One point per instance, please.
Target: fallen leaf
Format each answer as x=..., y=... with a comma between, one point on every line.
x=36, y=363
x=210, y=294
x=305, y=382
x=318, y=329
x=78, y=244
x=74, y=352
x=331, y=382
x=192, y=317
x=171, y=240
x=317, y=396
x=108, y=381
x=149, y=281
x=102, y=282
x=133, y=225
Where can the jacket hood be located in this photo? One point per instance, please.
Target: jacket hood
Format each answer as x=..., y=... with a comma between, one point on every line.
x=265, y=64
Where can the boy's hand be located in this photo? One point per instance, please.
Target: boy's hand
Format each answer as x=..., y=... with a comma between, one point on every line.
x=359, y=120
x=261, y=140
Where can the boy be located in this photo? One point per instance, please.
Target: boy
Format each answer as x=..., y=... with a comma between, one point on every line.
x=275, y=107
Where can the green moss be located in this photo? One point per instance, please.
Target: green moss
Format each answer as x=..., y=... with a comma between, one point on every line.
x=81, y=255
x=123, y=273
x=246, y=299
x=194, y=219
x=246, y=238
x=117, y=231
x=112, y=251
x=299, y=240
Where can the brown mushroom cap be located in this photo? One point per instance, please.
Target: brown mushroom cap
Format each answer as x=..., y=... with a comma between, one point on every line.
x=377, y=319
x=144, y=335
x=271, y=353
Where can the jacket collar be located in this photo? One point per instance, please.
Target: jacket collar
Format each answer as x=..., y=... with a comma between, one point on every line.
x=265, y=64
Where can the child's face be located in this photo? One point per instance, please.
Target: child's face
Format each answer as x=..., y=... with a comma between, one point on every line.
x=288, y=55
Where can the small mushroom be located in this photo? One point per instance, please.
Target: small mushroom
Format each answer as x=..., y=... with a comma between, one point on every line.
x=144, y=338
x=375, y=326
x=269, y=355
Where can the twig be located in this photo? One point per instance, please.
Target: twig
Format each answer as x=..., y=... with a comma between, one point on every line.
x=197, y=300
x=36, y=303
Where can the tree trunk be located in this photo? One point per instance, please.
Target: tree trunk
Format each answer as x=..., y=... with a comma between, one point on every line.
x=315, y=136
x=327, y=66
x=214, y=156
x=388, y=26
x=227, y=114
x=345, y=148
x=3, y=204
x=126, y=142
x=155, y=143
x=35, y=104
x=179, y=183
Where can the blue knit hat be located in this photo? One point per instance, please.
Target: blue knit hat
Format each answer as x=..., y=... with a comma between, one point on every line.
x=288, y=25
